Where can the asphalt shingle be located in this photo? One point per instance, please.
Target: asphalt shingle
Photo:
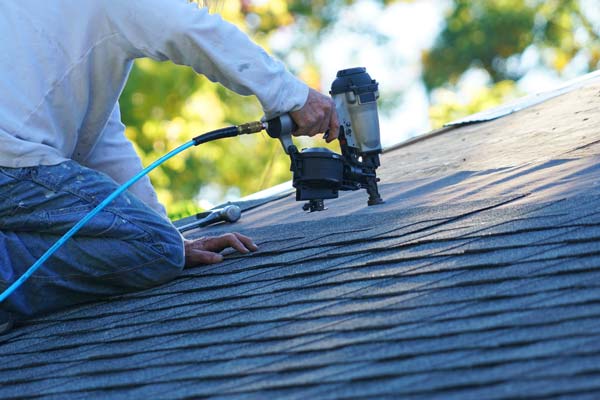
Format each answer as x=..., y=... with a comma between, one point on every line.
x=477, y=279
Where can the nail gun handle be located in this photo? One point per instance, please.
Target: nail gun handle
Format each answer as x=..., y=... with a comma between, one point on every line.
x=281, y=128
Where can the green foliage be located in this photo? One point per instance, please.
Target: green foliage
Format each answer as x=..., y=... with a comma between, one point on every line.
x=492, y=35
x=486, y=34
x=313, y=15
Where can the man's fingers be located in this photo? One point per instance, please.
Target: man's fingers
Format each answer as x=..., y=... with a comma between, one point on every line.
x=306, y=129
x=234, y=242
x=315, y=116
x=239, y=242
x=206, y=250
x=249, y=243
x=334, y=127
x=324, y=123
x=308, y=123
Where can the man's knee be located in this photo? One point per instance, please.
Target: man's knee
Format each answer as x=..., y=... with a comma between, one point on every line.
x=168, y=242
x=174, y=248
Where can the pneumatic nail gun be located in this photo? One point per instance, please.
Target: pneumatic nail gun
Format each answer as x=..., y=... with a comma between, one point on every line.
x=319, y=173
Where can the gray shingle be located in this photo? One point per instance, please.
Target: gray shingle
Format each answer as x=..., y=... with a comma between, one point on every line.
x=467, y=283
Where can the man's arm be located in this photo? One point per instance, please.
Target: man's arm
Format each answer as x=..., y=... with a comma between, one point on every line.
x=179, y=31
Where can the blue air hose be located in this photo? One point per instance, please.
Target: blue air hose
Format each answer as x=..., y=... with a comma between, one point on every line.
x=231, y=131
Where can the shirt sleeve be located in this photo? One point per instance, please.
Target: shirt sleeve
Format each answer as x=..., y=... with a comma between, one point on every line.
x=182, y=32
x=115, y=156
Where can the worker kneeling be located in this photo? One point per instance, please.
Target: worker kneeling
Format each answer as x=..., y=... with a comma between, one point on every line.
x=63, y=148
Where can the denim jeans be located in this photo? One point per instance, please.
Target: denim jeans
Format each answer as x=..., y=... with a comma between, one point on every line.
x=126, y=247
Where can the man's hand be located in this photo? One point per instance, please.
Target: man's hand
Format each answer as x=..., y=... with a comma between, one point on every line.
x=205, y=250
x=317, y=116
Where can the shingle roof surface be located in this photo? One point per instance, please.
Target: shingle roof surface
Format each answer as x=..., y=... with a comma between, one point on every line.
x=479, y=278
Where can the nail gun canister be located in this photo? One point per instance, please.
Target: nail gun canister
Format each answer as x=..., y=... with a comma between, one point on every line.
x=320, y=174
x=355, y=95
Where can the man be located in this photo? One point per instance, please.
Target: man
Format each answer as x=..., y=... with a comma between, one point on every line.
x=63, y=64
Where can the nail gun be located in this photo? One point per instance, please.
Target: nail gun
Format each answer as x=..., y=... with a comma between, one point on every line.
x=319, y=173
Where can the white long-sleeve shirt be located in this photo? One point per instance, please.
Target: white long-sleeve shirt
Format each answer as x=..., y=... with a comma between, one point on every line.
x=63, y=65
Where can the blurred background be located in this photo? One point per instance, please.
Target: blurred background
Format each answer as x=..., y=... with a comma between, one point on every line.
x=435, y=60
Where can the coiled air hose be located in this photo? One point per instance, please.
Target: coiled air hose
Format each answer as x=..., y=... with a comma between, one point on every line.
x=251, y=127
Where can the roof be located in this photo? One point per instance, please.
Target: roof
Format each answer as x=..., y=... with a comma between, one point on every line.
x=478, y=278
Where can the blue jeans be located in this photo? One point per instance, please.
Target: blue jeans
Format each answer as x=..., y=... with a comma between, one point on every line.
x=126, y=247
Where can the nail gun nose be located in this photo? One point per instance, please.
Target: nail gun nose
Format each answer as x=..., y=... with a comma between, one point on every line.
x=230, y=213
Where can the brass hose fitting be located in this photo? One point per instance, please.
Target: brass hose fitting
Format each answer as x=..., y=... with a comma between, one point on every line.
x=251, y=127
